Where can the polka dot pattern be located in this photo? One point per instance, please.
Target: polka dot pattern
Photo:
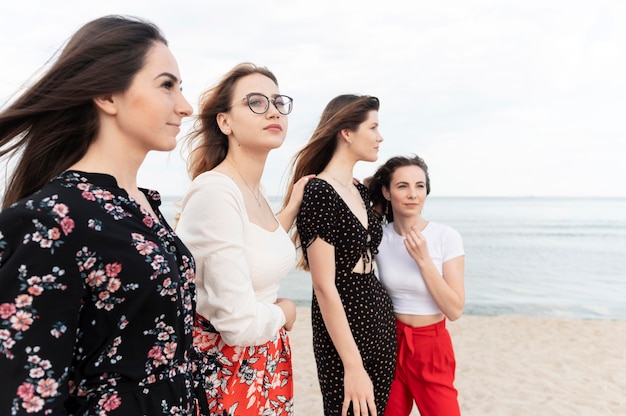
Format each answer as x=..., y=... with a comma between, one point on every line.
x=368, y=307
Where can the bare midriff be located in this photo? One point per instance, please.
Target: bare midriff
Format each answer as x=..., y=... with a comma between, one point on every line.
x=419, y=320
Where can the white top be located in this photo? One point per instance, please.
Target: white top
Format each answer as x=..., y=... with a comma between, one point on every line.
x=400, y=274
x=238, y=264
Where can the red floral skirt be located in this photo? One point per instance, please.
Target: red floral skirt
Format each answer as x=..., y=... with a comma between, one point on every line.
x=245, y=380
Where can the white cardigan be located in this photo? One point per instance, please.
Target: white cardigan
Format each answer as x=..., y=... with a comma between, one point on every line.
x=238, y=264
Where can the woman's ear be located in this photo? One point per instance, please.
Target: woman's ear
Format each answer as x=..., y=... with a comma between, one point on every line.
x=386, y=193
x=346, y=135
x=106, y=103
x=223, y=123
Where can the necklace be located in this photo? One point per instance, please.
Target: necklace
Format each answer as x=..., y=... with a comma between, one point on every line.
x=350, y=189
x=256, y=196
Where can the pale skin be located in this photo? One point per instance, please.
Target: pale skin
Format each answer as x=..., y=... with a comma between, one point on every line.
x=250, y=139
x=147, y=116
x=353, y=146
x=407, y=193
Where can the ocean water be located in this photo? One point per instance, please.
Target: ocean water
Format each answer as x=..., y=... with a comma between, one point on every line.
x=547, y=257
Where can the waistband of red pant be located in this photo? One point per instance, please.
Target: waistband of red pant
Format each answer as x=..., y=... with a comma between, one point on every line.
x=428, y=330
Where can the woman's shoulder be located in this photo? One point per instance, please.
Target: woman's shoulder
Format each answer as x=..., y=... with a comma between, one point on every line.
x=317, y=191
x=318, y=183
x=214, y=182
x=57, y=207
x=60, y=192
x=213, y=177
x=318, y=186
x=437, y=226
x=442, y=230
x=213, y=191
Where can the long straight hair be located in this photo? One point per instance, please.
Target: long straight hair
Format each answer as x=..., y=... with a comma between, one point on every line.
x=52, y=124
x=346, y=111
x=206, y=143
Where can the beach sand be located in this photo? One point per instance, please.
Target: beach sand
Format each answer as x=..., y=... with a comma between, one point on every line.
x=511, y=366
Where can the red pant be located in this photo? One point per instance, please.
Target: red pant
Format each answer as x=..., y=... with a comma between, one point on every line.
x=424, y=372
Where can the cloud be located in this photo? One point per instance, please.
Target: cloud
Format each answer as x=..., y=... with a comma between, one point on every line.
x=515, y=98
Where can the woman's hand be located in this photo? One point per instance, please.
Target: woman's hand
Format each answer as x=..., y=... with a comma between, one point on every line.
x=358, y=390
x=297, y=192
x=416, y=245
x=289, y=309
x=447, y=288
x=288, y=214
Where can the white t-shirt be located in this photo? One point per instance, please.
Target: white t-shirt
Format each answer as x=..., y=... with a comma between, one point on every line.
x=400, y=274
x=238, y=264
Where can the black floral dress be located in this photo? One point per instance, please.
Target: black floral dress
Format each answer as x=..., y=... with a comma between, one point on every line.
x=96, y=304
x=324, y=214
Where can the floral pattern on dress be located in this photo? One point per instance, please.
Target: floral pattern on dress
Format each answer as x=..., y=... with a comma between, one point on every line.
x=265, y=369
x=97, y=303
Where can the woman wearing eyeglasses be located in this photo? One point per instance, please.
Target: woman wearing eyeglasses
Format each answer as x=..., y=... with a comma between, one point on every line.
x=241, y=247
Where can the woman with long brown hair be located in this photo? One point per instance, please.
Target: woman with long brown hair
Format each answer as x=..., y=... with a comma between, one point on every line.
x=241, y=247
x=352, y=316
x=96, y=291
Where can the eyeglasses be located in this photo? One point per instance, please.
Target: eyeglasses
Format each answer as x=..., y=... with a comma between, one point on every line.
x=260, y=103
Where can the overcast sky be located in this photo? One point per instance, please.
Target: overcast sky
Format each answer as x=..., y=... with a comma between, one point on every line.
x=501, y=98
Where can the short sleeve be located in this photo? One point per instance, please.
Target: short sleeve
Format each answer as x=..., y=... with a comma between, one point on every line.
x=453, y=244
x=317, y=214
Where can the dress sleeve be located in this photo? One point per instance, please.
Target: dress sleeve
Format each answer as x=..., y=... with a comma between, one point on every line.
x=212, y=225
x=40, y=298
x=317, y=214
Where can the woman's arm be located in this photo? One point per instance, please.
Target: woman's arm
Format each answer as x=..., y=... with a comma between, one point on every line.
x=212, y=226
x=358, y=388
x=448, y=290
x=40, y=298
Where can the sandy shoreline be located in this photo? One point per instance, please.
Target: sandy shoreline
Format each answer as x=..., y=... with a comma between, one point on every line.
x=511, y=366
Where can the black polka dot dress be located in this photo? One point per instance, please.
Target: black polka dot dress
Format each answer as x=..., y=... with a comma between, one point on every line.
x=367, y=305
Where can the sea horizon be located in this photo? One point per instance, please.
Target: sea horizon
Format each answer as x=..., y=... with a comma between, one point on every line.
x=546, y=256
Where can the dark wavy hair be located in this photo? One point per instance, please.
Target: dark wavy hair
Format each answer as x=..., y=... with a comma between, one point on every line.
x=382, y=178
x=53, y=123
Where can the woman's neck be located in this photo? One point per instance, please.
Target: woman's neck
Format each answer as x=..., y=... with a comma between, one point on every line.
x=339, y=171
x=125, y=175
x=106, y=156
x=250, y=169
x=403, y=225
